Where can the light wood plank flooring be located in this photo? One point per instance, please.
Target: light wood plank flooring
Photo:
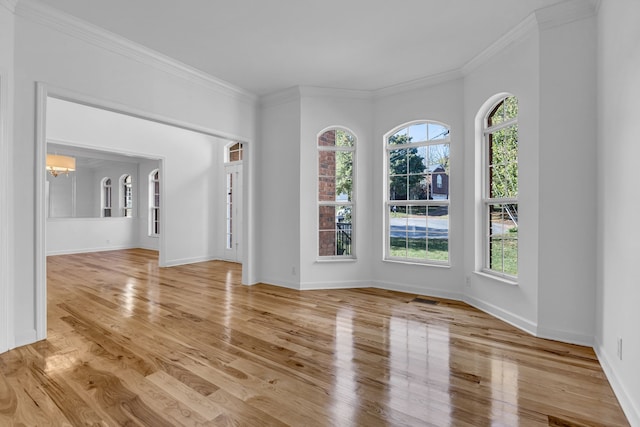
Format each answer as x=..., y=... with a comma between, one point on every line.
x=132, y=344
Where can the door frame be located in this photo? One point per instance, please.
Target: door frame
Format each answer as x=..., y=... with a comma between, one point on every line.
x=45, y=91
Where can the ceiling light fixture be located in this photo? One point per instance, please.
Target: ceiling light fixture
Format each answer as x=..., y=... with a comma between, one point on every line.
x=57, y=164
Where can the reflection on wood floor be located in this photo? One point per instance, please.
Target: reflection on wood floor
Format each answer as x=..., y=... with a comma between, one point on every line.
x=132, y=344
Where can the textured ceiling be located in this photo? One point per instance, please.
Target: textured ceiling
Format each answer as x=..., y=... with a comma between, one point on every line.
x=265, y=46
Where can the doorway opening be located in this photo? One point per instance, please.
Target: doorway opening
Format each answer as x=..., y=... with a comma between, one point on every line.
x=188, y=161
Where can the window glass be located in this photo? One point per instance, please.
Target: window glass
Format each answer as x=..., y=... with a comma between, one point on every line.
x=336, y=158
x=500, y=191
x=417, y=223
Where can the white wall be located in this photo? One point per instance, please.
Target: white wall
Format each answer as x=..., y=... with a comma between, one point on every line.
x=443, y=103
x=567, y=164
x=6, y=167
x=187, y=179
x=618, y=151
x=279, y=190
x=91, y=233
x=77, y=235
x=353, y=110
x=45, y=52
x=513, y=70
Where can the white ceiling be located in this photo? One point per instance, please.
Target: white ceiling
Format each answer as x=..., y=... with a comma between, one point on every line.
x=265, y=46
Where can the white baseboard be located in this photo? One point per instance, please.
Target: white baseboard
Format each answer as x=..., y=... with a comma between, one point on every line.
x=565, y=336
x=88, y=250
x=26, y=337
x=280, y=283
x=630, y=406
x=314, y=286
x=415, y=289
x=504, y=315
x=183, y=261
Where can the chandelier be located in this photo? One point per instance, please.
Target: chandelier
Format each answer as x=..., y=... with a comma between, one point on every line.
x=57, y=164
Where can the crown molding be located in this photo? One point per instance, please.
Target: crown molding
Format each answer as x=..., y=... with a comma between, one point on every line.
x=280, y=97
x=565, y=12
x=423, y=82
x=322, y=92
x=9, y=4
x=517, y=33
x=38, y=12
x=541, y=19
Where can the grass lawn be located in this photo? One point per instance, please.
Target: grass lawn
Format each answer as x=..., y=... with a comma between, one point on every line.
x=504, y=250
x=417, y=248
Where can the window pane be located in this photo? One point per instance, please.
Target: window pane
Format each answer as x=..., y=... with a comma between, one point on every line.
x=438, y=233
x=503, y=181
x=418, y=187
x=503, y=238
x=335, y=231
x=327, y=139
x=416, y=158
x=417, y=232
x=497, y=115
x=439, y=155
x=437, y=131
x=401, y=134
x=398, y=231
x=327, y=175
x=398, y=187
x=344, y=139
x=398, y=162
x=344, y=175
x=511, y=107
x=418, y=132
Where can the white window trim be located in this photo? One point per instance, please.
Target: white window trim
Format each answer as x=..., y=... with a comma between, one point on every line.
x=152, y=204
x=352, y=256
x=121, y=186
x=103, y=191
x=486, y=202
x=427, y=203
x=227, y=153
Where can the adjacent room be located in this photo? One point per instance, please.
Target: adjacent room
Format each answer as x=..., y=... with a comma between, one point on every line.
x=339, y=213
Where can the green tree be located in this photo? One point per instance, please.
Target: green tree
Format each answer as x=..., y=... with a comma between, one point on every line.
x=406, y=170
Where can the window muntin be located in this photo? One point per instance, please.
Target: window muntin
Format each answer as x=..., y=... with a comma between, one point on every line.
x=106, y=197
x=127, y=196
x=500, y=189
x=417, y=199
x=154, y=203
x=336, y=208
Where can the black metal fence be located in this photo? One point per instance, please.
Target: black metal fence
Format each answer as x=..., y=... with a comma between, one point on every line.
x=343, y=238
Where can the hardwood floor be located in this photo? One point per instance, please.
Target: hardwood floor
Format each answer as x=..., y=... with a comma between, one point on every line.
x=132, y=344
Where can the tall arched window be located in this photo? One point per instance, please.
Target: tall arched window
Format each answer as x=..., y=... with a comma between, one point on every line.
x=417, y=193
x=336, y=208
x=106, y=197
x=126, y=184
x=154, y=203
x=500, y=188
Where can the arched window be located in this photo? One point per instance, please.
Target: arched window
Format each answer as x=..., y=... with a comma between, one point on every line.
x=106, y=197
x=500, y=188
x=154, y=203
x=417, y=193
x=336, y=208
x=126, y=184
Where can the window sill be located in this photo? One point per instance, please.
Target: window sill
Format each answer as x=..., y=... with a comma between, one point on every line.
x=336, y=259
x=495, y=277
x=421, y=264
